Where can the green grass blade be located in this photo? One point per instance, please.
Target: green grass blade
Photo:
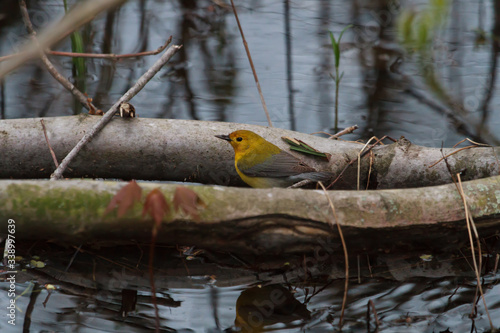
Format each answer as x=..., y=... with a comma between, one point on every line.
x=336, y=49
x=344, y=30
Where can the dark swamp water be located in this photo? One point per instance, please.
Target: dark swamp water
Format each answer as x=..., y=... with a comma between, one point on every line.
x=384, y=91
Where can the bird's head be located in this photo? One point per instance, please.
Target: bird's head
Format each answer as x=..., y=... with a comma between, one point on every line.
x=243, y=140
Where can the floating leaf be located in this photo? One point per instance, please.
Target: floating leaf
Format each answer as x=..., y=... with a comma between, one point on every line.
x=125, y=198
x=426, y=257
x=37, y=264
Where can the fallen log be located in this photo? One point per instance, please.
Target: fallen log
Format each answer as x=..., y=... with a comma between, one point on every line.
x=186, y=150
x=256, y=221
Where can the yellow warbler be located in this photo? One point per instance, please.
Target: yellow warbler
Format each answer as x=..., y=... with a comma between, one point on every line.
x=262, y=164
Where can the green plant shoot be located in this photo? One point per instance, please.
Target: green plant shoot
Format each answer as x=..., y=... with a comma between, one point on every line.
x=338, y=76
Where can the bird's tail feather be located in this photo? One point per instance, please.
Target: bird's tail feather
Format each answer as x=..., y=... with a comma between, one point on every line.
x=316, y=176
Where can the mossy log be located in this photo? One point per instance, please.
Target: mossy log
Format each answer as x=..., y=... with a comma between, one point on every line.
x=186, y=150
x=257, y=221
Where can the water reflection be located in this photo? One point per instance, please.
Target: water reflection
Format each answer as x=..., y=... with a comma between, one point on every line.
x=106, y=74
x=210, y=78
x=109, y=290
x=261, y=306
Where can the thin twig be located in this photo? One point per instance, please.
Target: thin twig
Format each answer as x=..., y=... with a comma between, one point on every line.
x=377, y=322
x=73, y=257
x=473, y=142
x=465, y=258
x=347, y=130
x=322, y=132
x=123, y=265
x=354, y=160
x=47, y=298
x=372, y=158
x=346, y=255
x=289, y=69
x=316, y=292
x=141, y=82
x=359, y=161
x=448, y=167
x=152, y=277
x=495, y=269
x=470, y=227
x=50, y=67
x=80, y=14
x=252, y=66
x=452, y=153
x=474, y=145
x=182, y=255
x=97, y=55
x=54, y=158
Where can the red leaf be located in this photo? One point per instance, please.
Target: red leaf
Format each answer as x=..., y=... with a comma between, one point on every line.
x=188, y=201
x=156, y=206
x=125, y=198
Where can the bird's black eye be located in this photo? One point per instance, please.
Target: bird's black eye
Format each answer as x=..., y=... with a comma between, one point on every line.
x=239, y=138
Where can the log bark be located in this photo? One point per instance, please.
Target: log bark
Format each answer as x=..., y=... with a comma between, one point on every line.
x=186, y=150
x=256, y=221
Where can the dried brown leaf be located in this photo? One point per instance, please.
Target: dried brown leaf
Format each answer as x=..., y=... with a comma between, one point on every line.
x=125, y=198
x=188, y=201
x=156, y=206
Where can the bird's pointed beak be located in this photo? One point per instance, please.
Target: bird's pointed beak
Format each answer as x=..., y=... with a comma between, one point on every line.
x=224, y=137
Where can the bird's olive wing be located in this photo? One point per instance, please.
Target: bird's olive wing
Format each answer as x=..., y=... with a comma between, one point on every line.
x=278, y=165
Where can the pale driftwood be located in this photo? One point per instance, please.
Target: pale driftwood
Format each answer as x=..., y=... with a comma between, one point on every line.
x=258, y=221
x=185, y=150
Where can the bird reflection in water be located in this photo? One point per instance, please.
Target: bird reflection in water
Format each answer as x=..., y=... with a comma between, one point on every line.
x=262, y=306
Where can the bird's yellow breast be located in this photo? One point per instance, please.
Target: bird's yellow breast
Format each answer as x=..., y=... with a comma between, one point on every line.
x=262, y=182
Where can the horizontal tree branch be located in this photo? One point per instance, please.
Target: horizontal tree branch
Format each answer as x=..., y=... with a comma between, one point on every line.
x=111, y=56
x=186, y=150
x=270, y=221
